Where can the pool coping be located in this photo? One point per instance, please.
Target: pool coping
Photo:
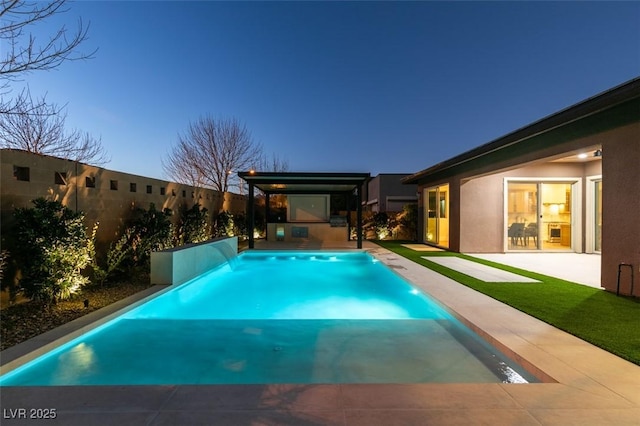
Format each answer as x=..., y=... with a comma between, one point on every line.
x=24, y=352
x=591, y=385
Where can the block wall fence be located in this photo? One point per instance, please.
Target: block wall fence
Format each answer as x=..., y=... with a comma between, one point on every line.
x=105, y=196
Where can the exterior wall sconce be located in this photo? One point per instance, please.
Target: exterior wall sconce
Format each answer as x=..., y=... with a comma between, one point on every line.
x=597, y=153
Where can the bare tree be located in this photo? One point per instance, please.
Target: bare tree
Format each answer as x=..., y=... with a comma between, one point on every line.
x=211, y=152
x=39, y=127
x=275, y=164
x=22, y=53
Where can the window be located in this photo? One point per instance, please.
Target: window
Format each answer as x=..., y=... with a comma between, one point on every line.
x=162, y=190
x=60, y=178
x=173, y=192
x=21, y=173
x=90, y=181
x=149, y=189
x=133, y=187
x=184, y=193
x=114, y=185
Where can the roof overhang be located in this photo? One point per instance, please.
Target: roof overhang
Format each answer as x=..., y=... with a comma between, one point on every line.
x=615, y=107
x=305, y=182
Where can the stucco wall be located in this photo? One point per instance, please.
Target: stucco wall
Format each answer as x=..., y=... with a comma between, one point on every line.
x=482, y=202
x=621, y=208
x=481, y=215
x=386, y=192
x=110, y=207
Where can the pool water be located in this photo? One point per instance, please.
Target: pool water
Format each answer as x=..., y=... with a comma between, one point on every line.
x=279, y=317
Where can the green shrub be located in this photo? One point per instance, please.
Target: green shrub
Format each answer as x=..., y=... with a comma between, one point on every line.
x=240, y=226
x=379, y=225
x=225, y=224
x=147, y=231
x=407, y=223
x=193, y=225
x=52, y=250
x=151, y=230
x=4, y=256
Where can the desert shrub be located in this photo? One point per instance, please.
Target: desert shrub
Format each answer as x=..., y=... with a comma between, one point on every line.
x=53, y=250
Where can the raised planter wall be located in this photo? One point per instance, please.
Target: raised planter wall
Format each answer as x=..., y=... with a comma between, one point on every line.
x=179, y=265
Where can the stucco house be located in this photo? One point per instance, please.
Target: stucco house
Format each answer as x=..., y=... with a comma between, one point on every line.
x=566, y=183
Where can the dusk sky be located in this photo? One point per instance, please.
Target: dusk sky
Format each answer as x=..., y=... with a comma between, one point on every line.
x=380, y=87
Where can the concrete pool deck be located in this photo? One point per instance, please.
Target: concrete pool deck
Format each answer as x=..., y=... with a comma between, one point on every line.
x=585, y=385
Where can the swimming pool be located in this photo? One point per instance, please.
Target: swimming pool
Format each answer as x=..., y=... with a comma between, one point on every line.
x=279, y=317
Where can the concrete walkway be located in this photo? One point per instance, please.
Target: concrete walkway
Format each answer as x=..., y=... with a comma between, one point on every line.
x=478, y=270
x=583, y=385
x=575, y=267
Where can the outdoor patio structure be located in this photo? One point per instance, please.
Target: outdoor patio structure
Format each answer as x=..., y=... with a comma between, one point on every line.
x=309, y=214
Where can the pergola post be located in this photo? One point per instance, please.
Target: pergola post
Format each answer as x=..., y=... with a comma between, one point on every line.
x=350, y=225
x=267, y=213
x=359, y=214
x=252, y=217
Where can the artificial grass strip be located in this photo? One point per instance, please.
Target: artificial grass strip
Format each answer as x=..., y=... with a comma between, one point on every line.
x=596, y=316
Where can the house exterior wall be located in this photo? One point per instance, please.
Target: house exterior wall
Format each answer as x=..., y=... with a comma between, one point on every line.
x=482, y=202
x=621, y=209
x=482, y=211
x=110, y=207
x=372, y=194
x=386, y=193
x=608, y=122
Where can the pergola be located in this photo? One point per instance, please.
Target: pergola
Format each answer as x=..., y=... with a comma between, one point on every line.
x=304, y=183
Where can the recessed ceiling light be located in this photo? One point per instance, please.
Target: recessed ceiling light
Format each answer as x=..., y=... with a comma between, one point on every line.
x=583, y=155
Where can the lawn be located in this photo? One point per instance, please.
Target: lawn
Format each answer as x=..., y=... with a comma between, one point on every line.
x=594, y=315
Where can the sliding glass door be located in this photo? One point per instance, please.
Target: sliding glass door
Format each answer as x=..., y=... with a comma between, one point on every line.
x=522, y=216
x=539, y=215
x=597, y=215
